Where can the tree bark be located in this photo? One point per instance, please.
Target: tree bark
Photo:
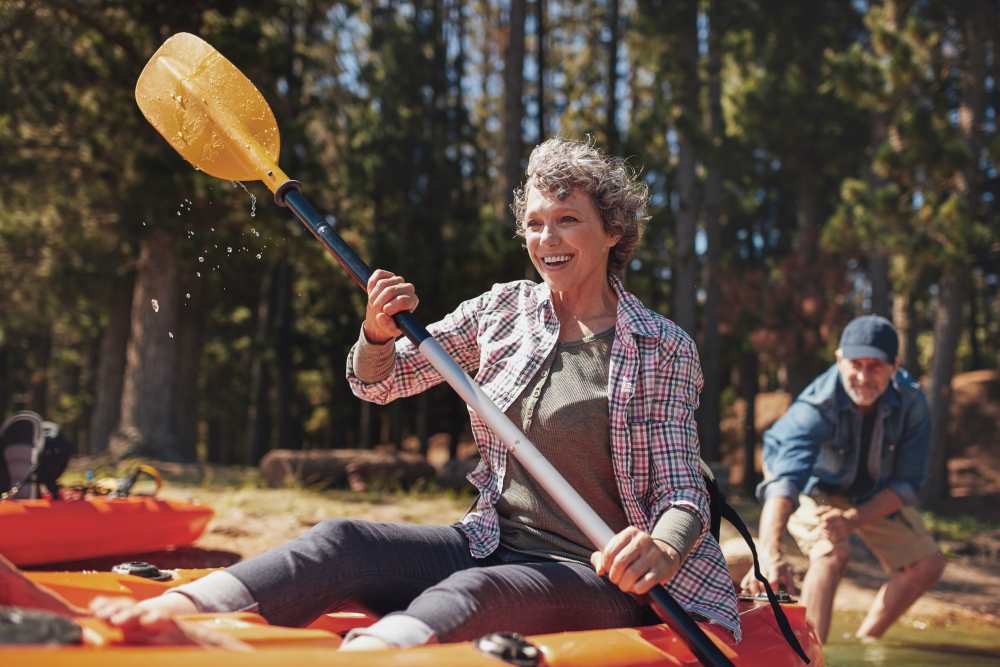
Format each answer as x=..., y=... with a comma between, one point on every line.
x=111, y=367
x=286, y=397
x=190, y=341
x=947, y=330
x=38, y=383
x=513, y=107
x=611, y=95
x=685, y=273
x=258, y=417
x=147, y=425
x=878, y=274
x=709, y=414
x=540, y=36
x=748, y=382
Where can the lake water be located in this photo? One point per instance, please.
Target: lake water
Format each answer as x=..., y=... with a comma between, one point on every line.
x=915, y=643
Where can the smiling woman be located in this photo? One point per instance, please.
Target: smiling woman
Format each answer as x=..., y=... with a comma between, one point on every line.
x=604, y=387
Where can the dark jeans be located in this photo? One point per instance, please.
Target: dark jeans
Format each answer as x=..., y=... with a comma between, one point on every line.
x=426, y=572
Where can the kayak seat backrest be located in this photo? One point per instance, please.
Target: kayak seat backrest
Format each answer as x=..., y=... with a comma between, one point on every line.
x=21, y=441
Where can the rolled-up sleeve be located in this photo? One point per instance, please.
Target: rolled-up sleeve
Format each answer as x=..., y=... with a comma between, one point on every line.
x=411, y=373
x=910, y=470
x=675, y=456
x=790, y=450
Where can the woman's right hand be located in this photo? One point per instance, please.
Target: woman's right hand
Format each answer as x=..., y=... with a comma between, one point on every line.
x=388, y=294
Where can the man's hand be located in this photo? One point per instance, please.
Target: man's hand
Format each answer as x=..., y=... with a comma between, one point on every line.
x=778, y=573
x=836, y=524
x=635, y=562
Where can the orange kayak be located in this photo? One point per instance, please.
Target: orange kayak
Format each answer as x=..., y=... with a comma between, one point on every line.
x=273, y=646
x=34, y=532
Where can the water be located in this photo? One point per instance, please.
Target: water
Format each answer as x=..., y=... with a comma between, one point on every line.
x=253, y=198
x=915, y=643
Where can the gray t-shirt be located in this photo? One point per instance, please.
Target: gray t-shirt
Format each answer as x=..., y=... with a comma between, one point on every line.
x=564, y=412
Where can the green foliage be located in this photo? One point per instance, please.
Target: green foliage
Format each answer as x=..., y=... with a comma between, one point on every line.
x=840, y=139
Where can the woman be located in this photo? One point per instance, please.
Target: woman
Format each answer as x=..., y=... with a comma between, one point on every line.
x=604, y=387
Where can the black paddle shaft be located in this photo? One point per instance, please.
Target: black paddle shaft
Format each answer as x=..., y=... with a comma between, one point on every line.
x=290, y=196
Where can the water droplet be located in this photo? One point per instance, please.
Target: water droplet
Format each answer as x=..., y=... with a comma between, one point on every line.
x=229, y=250
x=201, y=259
x=198, y=274
x=155, y=304
x=187, y=295
x=259, y=255
x=170, y=333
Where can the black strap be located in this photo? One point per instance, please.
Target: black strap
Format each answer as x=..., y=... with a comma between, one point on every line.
x=733, y=517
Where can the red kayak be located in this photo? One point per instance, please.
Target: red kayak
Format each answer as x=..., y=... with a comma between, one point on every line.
x=33, y=532
x=648, y=646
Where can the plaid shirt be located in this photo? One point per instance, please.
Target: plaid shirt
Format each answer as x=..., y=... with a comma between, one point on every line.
x=502, y=337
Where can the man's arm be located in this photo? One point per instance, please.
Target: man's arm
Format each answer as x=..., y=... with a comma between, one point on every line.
x=773, y=521
x=836, y=523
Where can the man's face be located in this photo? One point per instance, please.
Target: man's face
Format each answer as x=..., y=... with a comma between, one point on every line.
x=865, y=378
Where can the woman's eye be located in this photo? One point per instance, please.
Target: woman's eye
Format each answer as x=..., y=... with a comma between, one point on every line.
x=568, y=218
x=533, y=224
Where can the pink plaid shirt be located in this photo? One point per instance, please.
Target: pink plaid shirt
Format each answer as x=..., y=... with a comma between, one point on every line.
x=502, y=337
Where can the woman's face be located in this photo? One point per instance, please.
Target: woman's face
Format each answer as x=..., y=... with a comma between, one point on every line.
x=566, y=239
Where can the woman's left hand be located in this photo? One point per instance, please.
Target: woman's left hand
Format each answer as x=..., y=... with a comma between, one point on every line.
x=635, y=562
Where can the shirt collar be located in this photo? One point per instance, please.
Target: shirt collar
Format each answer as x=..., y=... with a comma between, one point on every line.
x=632, y=316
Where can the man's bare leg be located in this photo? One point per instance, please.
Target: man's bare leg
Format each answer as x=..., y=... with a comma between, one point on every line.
x=820, y=587
x=901, y=591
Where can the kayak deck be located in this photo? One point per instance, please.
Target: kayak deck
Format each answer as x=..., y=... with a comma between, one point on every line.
x=652, y=645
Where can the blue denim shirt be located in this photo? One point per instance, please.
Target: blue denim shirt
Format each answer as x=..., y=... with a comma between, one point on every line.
x=815, y=445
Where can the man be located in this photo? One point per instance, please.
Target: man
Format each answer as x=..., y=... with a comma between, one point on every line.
x=850, y=456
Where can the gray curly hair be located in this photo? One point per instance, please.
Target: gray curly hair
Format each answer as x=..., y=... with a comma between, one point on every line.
x=561, y=166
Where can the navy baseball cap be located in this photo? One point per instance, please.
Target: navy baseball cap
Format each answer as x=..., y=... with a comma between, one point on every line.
x=870, y=336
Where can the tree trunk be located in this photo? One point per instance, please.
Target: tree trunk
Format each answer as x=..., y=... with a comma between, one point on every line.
x=975, y=348
x=513, y=107
x=947, y=330
x=709, y=414
x=748, y=389
x=878, y=274
x=190, y=341
x=540, y=36
x=111, y=367
x=286, y=398
x=146, y=426
x=258, y=417
x=685, y=272
x=38, y=388
x=904, y=313
x=611, y=95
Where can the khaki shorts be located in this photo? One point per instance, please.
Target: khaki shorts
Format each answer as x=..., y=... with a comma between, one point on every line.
x=897, y=540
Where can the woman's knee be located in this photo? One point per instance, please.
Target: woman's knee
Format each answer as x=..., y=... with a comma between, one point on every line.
x=339, y=538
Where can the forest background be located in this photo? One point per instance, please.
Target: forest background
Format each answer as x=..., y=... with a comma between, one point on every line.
x=809, y=162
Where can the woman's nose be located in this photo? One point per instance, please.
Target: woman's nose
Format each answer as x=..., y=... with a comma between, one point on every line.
x=549, y=234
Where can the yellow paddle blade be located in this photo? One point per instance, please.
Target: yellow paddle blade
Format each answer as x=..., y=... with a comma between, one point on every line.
x=210, y=112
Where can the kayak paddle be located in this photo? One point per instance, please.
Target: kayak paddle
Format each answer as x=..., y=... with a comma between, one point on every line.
x=219, y=122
